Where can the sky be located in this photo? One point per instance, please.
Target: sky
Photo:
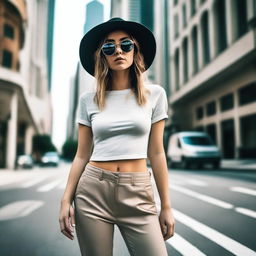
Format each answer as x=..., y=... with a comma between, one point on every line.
x=68, y=31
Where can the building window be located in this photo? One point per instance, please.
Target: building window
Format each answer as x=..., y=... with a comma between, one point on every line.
x=195, y=50
x=227, y=102
x=211, y=130
x=247, y=94
x=241, y=17
x=199, y=129
x=176, y=26
x=8, y=31
x=185, y=59
x=211, y=108
x=205, y=37
x=7, y=59
x=184, y=15
x=18, y=66
x=177, y=69
x=193, y=7
x=199, y=113
x=220, y=13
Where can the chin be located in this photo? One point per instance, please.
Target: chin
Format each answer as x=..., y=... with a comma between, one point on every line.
x=119, y=68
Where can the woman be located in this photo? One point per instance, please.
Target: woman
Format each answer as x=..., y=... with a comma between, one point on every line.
x=119, y=127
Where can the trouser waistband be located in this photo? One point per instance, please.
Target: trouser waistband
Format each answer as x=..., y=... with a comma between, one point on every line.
x=118, y=177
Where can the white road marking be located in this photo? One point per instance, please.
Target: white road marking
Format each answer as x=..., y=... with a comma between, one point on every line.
x=19, y=209
x=9, y=177
x=32, y=182
x=202, y=197
x=194, y=182
x=49, y=186
x=215, y=236
x=175, y=181
x=199, y=183
x=245, y=211
x=63, y=184
x=183, y=246
x=248, y=191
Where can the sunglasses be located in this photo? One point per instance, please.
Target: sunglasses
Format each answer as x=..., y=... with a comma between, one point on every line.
x=109, y=49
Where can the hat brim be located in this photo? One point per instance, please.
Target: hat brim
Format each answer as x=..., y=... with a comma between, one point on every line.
x=90, y=41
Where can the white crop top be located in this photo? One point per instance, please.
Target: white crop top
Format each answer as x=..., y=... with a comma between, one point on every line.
x=121, y=130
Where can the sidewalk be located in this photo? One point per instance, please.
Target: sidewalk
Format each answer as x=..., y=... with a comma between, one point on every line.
x=239, y=164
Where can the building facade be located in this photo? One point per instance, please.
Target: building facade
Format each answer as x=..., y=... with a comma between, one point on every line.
x=213, y=67
x=25, y=105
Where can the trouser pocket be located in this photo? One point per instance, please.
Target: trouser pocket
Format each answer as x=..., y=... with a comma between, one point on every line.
x=138, y=197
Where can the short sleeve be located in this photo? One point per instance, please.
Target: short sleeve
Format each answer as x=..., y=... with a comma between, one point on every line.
x=161, y=107
x=82, y=116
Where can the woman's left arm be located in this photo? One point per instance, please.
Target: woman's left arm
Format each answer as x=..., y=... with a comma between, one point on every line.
x=158, y=163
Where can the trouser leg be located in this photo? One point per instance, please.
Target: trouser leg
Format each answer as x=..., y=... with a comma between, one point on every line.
x=95, y=236
x=144, y=239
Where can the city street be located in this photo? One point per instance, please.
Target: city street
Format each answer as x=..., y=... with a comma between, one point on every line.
x=215, y=213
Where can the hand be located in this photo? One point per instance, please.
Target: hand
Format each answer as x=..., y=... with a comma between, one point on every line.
x=67, y=220
x=167, y=223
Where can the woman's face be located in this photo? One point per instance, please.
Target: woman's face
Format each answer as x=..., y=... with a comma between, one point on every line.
x=127, y=57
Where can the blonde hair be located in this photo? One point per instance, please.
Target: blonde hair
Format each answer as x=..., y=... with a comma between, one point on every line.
x=103, y=76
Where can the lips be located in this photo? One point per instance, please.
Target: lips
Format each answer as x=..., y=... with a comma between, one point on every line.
x=119, y=58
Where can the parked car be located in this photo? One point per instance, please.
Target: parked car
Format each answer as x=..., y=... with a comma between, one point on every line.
x=186, y=148
x=25, y=161
x=50, y=158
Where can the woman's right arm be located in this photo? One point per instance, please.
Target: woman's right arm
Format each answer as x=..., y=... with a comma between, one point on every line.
x=81, y=158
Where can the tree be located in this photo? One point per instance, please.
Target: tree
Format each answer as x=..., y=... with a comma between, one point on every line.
x=69, y=149
x=41, y=144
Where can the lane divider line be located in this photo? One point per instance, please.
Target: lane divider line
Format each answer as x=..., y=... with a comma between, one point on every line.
x=202, y=197
x=183, y=246
x=247, y=191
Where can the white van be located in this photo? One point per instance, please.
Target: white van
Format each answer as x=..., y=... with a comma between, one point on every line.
x=189, y=148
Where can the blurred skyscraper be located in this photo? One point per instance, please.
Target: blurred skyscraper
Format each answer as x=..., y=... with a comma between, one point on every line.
x=25, y=104
x=83, y=81
x=94, y=15
x=50, y=32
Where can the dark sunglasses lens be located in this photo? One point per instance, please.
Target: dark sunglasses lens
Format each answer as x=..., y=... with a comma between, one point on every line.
x=108, y=49
x=127, y=46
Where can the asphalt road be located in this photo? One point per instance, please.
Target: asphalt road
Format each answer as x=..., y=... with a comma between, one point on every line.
x=215, y=213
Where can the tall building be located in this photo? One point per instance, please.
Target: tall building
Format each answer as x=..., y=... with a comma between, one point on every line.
x=213, y=61
x=25, y=106
x=50, y=32
x=82, y=80
x=94, y=15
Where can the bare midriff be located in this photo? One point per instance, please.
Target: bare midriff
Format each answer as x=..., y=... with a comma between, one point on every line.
x=127, y=165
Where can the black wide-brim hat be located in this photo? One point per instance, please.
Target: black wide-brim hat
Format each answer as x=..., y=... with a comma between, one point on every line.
x=90, y=41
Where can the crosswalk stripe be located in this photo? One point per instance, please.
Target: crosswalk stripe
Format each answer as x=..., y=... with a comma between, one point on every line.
x=215, y=236
x=33, y=182
x=63, y=184
x=19, y=209
x=244, y=190
x=49, y=186
x=202, y=197
x=245, y=211
x=183, y=246
x=179, y=182
x=199, y=183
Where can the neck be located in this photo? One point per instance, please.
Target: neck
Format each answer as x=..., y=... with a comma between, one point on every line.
x=120, y=79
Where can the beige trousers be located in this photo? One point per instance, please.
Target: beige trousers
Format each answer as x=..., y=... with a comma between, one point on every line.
x=104, y=198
